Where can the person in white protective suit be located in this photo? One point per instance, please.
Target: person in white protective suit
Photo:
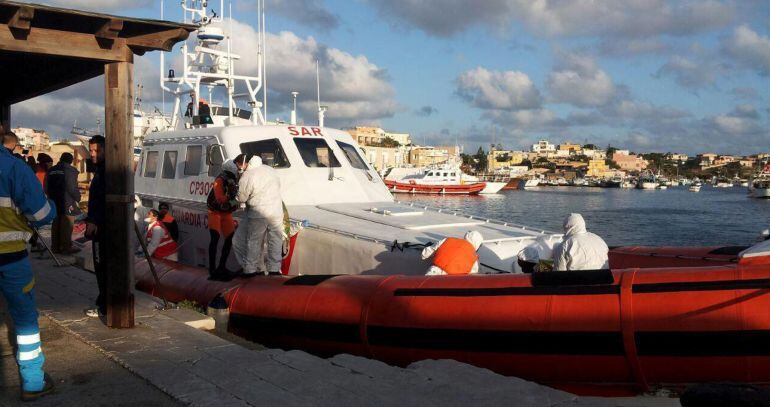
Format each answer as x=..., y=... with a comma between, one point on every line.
x=260, y=189
x=530, y=257
x=454, y=256
x=581, y=249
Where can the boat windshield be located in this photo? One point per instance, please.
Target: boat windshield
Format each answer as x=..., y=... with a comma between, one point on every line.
x=352, y=155
x=316, y=153
x=270, y=151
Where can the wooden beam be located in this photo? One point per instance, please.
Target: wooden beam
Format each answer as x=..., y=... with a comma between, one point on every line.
x=118, y=126
x=22, y=18
x=67, y=44
x=110, y=29
x=161, y=40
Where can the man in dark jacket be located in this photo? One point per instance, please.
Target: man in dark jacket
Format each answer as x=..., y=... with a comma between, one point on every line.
x=95, y=222
x=62, y=187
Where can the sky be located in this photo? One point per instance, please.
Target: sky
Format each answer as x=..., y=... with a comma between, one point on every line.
x=647, y=75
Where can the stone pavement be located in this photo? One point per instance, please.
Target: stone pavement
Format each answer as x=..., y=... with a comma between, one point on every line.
x=197, y=368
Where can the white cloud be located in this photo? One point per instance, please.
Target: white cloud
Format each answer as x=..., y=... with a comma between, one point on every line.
x=352, y=87
x=313, y=13
x=623, y=18
x=577, y=80
x=56, y=114
x=689, y=73
x=749, y=49
x=509, y=90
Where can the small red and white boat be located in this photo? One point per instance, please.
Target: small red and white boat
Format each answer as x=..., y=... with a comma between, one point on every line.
x=441, y=181
x=412, y=187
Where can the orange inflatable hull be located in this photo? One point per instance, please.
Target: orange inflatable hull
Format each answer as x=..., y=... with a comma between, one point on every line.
x=598, y=333
x=652, y=257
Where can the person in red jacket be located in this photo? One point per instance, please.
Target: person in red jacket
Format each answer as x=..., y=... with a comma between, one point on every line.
x=455, y=256
x=160, y=245
x=221, y=204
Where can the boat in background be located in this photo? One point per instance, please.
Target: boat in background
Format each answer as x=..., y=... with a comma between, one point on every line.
x=441, y=180
x=647, y=181
x=760, y=186
x=695, y=187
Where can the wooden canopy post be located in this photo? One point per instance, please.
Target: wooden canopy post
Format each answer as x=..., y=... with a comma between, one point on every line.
x=5, y=116
x=118, y=126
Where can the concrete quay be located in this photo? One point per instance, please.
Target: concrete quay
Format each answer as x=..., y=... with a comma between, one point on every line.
x=163, y=361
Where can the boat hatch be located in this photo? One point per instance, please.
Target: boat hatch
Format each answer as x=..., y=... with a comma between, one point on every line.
x=396, y=211
x=400, y=216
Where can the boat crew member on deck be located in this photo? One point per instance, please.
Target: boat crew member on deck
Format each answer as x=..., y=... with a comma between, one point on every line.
x=260, y=189
x=221, y=204
x=168, y=221
x=455, y=256
x=581, y=249
x=22, y=202
x=160, y=245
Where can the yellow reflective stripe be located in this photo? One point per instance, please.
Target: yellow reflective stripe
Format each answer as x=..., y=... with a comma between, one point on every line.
x=27, y=288
x=23, y=356
x=42, y=213
x=6, y=202
x=28, y=339
x=12, y=247
x=14, y=236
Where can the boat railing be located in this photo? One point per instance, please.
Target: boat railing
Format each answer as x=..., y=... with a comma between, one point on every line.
x=481, y=218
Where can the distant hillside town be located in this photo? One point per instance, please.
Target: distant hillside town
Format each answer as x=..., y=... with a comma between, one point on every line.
x=385, y=150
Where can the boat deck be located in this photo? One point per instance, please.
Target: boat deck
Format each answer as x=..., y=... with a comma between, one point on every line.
x=388, y=221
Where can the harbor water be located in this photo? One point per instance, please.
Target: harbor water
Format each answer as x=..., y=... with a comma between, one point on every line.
x=672, y=217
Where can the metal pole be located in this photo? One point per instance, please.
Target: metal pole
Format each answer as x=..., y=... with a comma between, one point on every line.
x=56, y=259
x=149, y=262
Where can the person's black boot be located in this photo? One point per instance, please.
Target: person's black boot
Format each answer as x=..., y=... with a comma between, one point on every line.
x=48, y=388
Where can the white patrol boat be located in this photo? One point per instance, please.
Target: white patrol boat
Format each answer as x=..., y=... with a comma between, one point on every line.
x=354, y=226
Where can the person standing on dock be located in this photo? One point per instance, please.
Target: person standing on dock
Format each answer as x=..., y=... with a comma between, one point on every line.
x=581, y=249
x=454, y=256
x=95, y=222
x=221, y=204
x=22, y=203
x=62, y=187
x=260, y=189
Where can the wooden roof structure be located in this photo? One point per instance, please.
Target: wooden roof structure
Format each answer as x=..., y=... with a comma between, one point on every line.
x=43, y=49
x=46, y=48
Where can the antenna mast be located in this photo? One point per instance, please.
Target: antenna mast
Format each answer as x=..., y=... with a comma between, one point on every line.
x=206, y=64
x=321, y=109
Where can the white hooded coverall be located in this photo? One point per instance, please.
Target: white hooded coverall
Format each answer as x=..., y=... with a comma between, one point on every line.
x=473, y=237
x=259, y=188
x=580, y=250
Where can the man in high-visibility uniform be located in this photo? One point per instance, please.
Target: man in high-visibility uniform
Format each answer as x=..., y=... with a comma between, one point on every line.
x=455, y=256
x=21, y=201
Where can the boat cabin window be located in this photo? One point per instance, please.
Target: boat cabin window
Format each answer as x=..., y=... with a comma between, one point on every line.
x=193, y=159
x=270, y=151
x=316, y=153
x=169, y=164
x=445, y=174
x=352, y=155
x=151, y=167
x=454, y=174
x=430, y=174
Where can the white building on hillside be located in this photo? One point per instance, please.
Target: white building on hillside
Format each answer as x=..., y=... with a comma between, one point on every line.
x=543, y=147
